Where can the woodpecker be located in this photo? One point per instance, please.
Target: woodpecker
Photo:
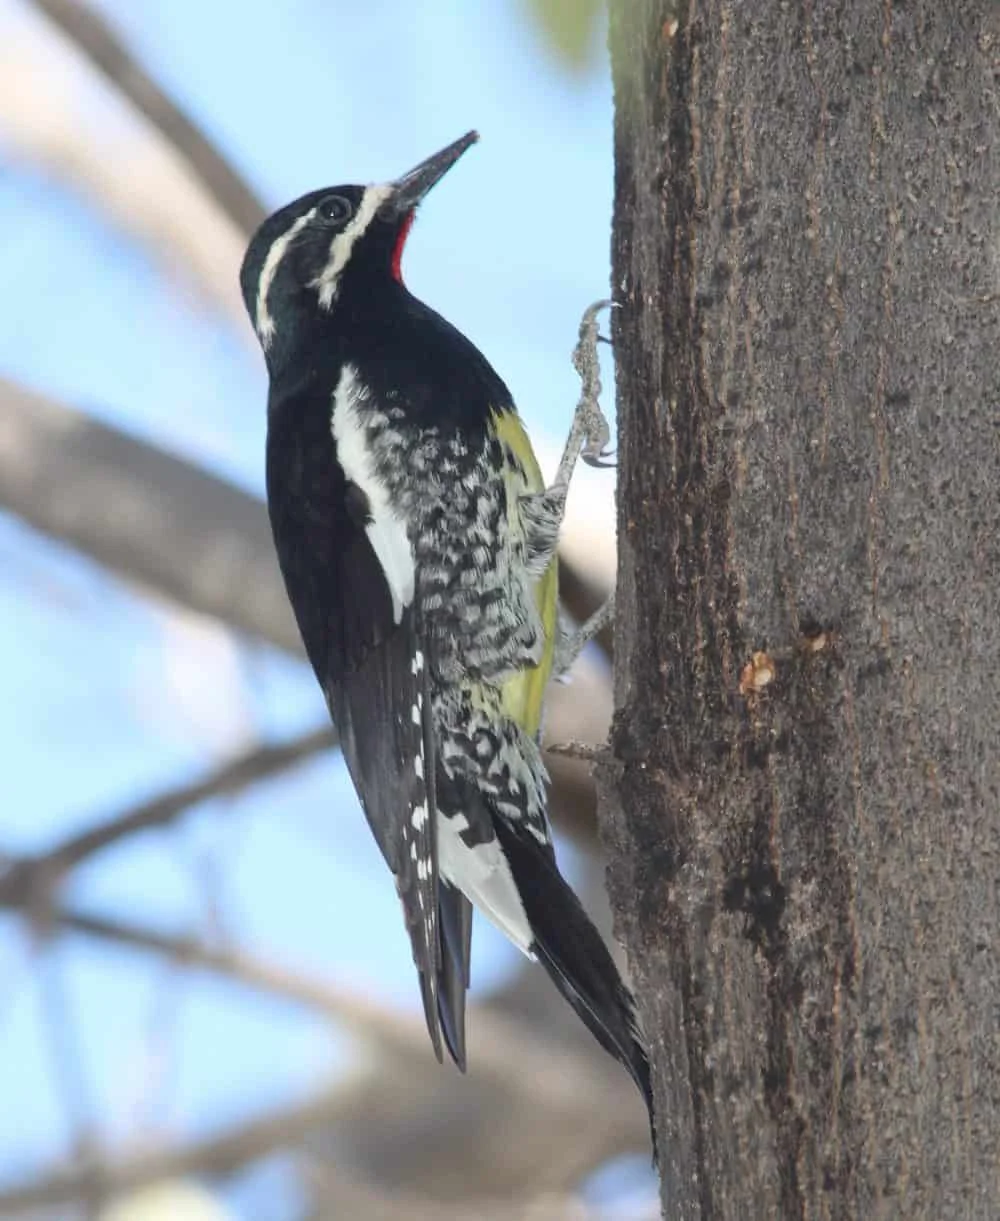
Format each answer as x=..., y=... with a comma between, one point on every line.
x=417, y=542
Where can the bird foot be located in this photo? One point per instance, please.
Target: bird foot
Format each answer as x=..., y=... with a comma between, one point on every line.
x=590, y=421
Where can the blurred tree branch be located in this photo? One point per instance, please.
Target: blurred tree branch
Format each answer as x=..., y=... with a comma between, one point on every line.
x=538, y=1092
x=96, y=38
x=146, y=514
x=29, y=880
x=341, y=1195
x=56, y=113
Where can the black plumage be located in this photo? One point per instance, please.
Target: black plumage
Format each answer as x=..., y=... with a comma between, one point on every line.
x=397, y=475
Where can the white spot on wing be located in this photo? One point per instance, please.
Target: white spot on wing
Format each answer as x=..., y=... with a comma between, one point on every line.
x=386, y=531
x=264, y=321
x=326, y=283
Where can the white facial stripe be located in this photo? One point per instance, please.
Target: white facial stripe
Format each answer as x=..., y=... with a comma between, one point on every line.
x=386, y=531
x=265, y=323
x=342, y=245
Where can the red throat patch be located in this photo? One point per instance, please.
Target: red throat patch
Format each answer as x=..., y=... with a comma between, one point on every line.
x=397, y=253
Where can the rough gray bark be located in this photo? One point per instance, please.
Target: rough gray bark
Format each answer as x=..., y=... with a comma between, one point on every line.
x=806, y=872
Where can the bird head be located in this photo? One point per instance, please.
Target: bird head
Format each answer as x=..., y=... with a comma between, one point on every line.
x=334, y=245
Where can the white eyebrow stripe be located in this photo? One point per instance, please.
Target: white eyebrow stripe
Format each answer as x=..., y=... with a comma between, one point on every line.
x=342, y=245
x=265, y=323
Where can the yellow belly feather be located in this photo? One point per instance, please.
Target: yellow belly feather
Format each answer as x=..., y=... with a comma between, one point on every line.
x=523, y=693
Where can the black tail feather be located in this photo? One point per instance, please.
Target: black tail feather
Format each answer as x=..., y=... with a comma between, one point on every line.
x=574, y=954
x=432, y=1004
x=455, y=916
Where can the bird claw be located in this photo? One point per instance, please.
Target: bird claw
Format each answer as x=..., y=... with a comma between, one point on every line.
x=585, y=352
x=587, y=752
x=597, y=433
x=601, y=460
x=595, y=428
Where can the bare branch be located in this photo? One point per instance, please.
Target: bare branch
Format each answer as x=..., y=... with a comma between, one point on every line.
x=106, y=50
x=557, y=1078
x=28, y=881
x=152, y=517
x=215, y=1155
x=56, y=113
x=541, y=1095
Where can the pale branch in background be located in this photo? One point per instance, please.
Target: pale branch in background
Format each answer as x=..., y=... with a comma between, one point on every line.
x=27, y=879
x=95, y=37
x=151, y=517
x=340, y=1195
x=54, y=113
x=533, y=1087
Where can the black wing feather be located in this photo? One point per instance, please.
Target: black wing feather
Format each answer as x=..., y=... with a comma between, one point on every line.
x=373, y=670
x=372, y=707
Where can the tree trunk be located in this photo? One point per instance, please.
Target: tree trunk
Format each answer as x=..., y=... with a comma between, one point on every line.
x=802, y=810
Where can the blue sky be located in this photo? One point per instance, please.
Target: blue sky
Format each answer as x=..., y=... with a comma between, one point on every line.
x=113, y=696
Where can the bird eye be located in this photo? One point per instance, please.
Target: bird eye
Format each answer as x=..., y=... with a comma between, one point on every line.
x=335, y=209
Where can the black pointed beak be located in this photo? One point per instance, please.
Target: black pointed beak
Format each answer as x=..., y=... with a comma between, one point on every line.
x=409, y=190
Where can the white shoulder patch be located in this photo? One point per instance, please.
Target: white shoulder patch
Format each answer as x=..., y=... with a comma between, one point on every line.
x=387, y=530
x=326, y=283
x=263, y=321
